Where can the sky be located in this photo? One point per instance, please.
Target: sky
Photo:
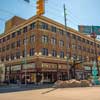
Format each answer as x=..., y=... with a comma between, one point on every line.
x=79, y=12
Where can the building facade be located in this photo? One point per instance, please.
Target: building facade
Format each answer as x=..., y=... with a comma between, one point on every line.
x=42, y=50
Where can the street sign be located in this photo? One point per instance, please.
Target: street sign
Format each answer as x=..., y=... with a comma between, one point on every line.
x=23, y=62
x=94, y=72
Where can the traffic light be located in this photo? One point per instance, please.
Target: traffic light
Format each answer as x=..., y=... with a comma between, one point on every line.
x=40, y=7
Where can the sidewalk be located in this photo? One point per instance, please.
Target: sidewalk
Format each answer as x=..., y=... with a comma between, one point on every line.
x=23, y=87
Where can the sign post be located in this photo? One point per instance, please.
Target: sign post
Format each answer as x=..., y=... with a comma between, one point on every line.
x=94, y=73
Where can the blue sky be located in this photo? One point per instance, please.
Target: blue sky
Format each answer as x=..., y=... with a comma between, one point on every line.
x=84, y=12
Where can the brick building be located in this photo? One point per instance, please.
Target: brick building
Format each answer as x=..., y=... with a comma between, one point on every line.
x=43, y=50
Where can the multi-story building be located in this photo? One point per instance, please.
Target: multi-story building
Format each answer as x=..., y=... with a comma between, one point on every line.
x=39, y=48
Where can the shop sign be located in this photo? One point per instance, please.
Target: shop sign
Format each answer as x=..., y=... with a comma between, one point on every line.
x=87, y=68
x=15, y=68
x=29, y=66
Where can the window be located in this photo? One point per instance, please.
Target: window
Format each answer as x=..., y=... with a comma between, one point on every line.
x=61, y=43
x=61, y=32
x=88, y=49
x=44, y=26
x=25, y=29
x=18, y=55
x=67, y=34
x=25, y=41
x=4, y=39
x=31, y=51
x=44, y=51
x=54, y=53
x=0, y=40
x=24, y=53
x=7, y=57
x=18, y=43
x=91, y=43
x=61, y=54
x=53, y=29
x=32, y=38
x=73, y=36
x=84, y=49
x=92, y=51
x=87, y=41
x=12, y=56
x=53, y=41
x=32, y=26
x=79, y=47
x=44, y=39
x=13, y=45
x=0, y=49
x=2, y=58
x=8, y=47
x=3, y=49
x=83, y=40
x=79, y=38
x=98, y=45
x=19, y=32
x=8, y=37
x=13, y=35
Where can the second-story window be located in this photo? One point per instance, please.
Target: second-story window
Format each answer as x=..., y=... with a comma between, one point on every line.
x=44, y=39
x=44, y=51
x=32, y=38
x=25, y=41
x=61, y=54
x=61, y=43
x=24, y=53
x=53, y=41
x=12, y=56
x=54, y=53
x=18, y=54
x=31, y=51
x=3, y=49
x=18, y=43
x=13, y=45
x=7, y=57
x=8, y=47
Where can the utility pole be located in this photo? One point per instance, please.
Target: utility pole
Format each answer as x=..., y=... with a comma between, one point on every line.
x=25, y=42
x=65, y=21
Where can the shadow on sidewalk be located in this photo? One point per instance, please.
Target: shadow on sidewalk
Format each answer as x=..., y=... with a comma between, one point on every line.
x=17, y=88
x=50, y=90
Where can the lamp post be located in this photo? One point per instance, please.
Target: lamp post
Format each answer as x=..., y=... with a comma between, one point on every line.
x=58, y=67
x=93, y=35
x=25, y=59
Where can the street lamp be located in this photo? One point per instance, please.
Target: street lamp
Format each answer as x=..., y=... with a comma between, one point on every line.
x=58, y=67
x=93, y=35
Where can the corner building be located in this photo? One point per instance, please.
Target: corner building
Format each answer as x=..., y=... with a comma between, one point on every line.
x=43, y=50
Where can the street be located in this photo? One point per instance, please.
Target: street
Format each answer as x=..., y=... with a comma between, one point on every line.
x=87, y=93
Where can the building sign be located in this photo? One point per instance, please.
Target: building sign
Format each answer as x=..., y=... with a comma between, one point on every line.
x=29, y=66
x=53, y=66
x=2, y=72
x=87, y=68
x=16, y=68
